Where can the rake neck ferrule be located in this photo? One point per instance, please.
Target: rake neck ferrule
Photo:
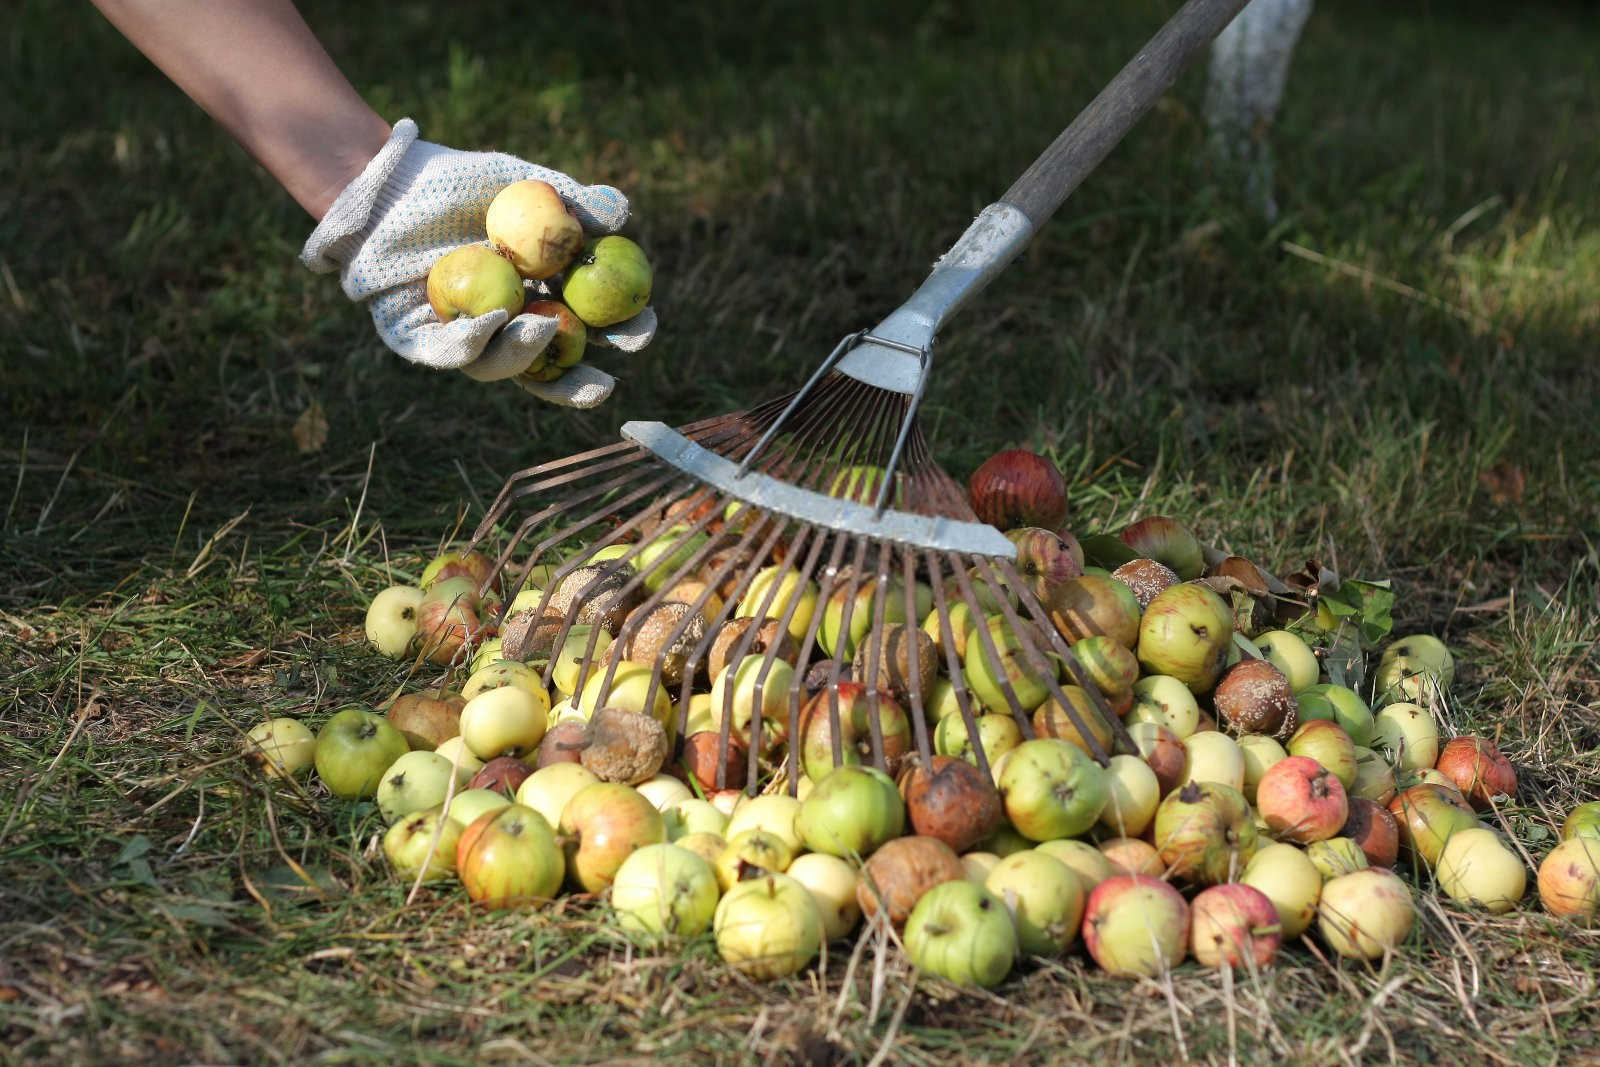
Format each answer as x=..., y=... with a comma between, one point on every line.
x=999, y=233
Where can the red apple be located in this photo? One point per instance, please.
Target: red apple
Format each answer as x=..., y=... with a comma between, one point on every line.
x=449, y=618
x=1569, y=880
x=1046, y=559
x=508, y=857
x=601, y=826
x=1018, y=488
x=1163, y=750
x=1133, y=925
x=1478, y=769
x=1371, y=826
x=701, y=760
x=1300, y=800
x=1234, y=923
x=856, y=711
x=1168, y=541
x=503, y=774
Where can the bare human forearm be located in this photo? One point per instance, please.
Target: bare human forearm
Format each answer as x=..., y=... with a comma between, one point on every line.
x=256, y=67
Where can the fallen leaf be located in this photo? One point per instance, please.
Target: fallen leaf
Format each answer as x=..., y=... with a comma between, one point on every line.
x=311, y=429
x=1505, y=482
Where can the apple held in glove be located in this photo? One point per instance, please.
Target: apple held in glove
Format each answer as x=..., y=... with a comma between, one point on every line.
x=473, y=280
x=533, y=228
x=608, y=282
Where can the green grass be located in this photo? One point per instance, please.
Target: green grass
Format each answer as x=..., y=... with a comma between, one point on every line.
x=1358, y=382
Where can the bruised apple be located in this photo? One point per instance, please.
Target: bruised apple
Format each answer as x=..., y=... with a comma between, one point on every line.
x=531, y=226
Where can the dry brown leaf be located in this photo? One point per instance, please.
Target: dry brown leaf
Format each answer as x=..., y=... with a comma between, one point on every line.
x=1505, y=483
x=311, y=429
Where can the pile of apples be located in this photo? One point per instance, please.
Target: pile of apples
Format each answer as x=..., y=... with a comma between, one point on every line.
x=1261, y=800
x=532, y=234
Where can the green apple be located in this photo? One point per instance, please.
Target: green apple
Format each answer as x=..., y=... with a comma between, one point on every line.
x=280, y=748
x=472, y=280
x=1051, y=788
x=661, y=556
x=460, y=756
x=1365, y=914
x=694, y=816
x=1290, y=880
x=391, y=621
x=569, y=659
x=423, y=839
x=1341, y=704
x=791, y=588
x=1260, y=753
x=467, y=805
x=1582, y=821
x=773, y=812
x=833, y=884
x=998, y=734
x=662, y=890
x=508, y=721
x=501, y=672
x=1289, y=652
x=1407, y=735
x=1424, y=651
x=608, y=282
x=1186, y=633
x=354, y=748
x=415, y=782
x=768, y=927
x=962, y=932
x=1045, y=898
x=1163, y=699
x=984, y=672
x=548, y=789
x=850, y=813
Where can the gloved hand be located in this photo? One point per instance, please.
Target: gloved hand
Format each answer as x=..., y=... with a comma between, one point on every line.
x=416, y=201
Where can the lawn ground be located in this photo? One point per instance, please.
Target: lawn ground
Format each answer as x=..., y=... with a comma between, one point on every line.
x=1396, y=377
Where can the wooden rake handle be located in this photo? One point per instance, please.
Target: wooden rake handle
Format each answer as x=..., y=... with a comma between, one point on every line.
x=1083, y=145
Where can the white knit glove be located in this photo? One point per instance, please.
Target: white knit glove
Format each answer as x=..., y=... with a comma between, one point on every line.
x=416, y=201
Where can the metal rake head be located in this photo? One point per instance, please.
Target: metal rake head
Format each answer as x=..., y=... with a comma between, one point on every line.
x=818, y=628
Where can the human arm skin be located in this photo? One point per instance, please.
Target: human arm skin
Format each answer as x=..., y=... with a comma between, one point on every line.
x=256, y=67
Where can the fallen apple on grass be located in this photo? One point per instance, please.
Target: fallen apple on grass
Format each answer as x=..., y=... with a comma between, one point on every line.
x=509, y=857
x=280, y=748
x=662, y=890
x=963, y=933
x=768, y=927
x=353, y=749
x=1136, y=926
